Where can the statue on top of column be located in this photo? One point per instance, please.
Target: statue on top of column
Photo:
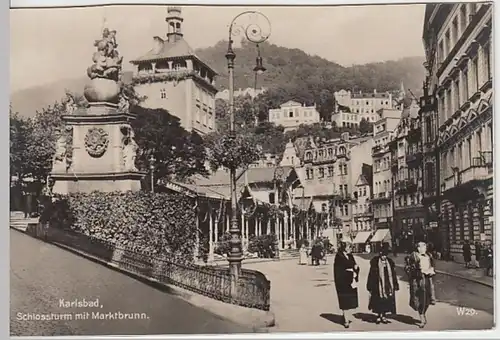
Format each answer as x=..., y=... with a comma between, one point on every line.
x=107, y=60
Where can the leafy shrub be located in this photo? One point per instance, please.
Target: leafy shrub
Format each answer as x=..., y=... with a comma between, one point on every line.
x=223, y=246
x=265, y=245
x=157, y=223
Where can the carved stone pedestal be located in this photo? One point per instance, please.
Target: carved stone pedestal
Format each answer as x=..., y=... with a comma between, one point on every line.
x=103, y=153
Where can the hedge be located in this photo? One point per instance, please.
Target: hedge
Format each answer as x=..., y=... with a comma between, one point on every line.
x=157, y=223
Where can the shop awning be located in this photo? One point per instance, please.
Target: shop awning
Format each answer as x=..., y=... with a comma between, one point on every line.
x=381, y=235
x=361, y=237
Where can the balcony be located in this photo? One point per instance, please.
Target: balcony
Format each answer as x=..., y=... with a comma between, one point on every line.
x=364, y=214
x=382, y=197
x=406, y=186
x=379, y=150
x=414, y=159
x=465, y=184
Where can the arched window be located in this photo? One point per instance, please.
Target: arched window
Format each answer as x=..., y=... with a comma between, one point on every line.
x=342, y=150
x=309, y=156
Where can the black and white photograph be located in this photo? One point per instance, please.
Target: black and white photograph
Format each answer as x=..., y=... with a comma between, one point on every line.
x=214, y=169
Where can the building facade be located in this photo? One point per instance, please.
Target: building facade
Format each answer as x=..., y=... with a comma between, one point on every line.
x=361, y=106
x=170, y=76
x=292, y=114
x=458, y=123
x=249, y=91
x=408, y=213
x=331, y=171
x=362, y=208
x=382, y=177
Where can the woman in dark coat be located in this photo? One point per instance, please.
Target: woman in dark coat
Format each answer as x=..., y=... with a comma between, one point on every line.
x=467, y=254
x=382, y=285
x=346, y=275
x=420, y=269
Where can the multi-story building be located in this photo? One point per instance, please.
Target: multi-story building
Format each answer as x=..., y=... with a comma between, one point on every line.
x=406, y=170
x=331, y=171
x=382, y=178
x=173, y=78
x=458, y=102
x=362, y=208
x=249, y=91
x=292, y=114
x=361, y=106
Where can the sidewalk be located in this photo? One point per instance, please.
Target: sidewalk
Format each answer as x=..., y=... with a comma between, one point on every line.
x=303, y=299
x=477, y=275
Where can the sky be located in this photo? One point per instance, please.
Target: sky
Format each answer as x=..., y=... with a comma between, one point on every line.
x=47, y=45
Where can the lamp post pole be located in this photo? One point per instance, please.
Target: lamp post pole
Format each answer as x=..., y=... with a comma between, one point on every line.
x=256, y=28
x=152, y=161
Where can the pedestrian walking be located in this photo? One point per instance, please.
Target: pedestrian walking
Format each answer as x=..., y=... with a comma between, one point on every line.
x=346, y=276
x=479, y=254
x=316, y=253
x=489, y=257
x=382, y=284
x=419, y=266
x=466, y=251
x=303, y=254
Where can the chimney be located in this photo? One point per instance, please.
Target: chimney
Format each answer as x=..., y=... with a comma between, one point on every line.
x=157, y=44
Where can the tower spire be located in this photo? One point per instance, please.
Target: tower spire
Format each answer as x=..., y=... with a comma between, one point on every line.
x=174, y=21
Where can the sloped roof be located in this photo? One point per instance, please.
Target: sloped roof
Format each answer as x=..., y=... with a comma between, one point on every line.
x=290, y=103
x=362, y=180
x=169, y=50
x=262, y=175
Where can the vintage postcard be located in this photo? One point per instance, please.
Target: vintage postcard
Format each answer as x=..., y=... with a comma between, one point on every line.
x=220, y=169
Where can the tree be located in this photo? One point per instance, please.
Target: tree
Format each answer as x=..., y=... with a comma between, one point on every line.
x=179, y=154
x=365, y=126
x=326, y=105
x=20, y=140
x=245, y=112
x=47, y=127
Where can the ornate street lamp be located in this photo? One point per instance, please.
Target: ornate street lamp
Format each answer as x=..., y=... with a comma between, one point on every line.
x=256, y=28
x=152, y=161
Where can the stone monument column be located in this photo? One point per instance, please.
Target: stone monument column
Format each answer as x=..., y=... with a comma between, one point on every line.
x=96, y=150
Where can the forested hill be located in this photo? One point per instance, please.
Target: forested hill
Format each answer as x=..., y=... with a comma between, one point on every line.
x=291, y=72
x=296, y=71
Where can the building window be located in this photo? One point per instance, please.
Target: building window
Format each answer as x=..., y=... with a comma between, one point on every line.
x=456, y=98
x=163, y=94
x=330, y=171
x=364, y=191
x=290, y=114
x=346, y=210
x=487, y=56
x=321, y=173
x=475, y=74
x=463, y=17
x=345, y=169
x=465, y=90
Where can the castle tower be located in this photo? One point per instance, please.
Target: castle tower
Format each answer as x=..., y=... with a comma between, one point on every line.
x=96, y=151
x=172, y=77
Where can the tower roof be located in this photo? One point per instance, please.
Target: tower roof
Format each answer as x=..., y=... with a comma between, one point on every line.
x=179, y=49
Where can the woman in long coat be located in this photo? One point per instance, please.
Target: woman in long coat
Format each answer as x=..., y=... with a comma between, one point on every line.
x=420, y=269
x=382, y=285
x=346, y=275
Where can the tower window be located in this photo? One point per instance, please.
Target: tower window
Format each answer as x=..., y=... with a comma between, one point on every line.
x=163, y=94
x=178, y=25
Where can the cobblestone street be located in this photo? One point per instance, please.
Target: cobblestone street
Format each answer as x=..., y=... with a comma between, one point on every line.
x=303, y=299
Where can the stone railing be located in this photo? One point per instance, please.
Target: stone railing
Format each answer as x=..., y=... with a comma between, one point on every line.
x=214, y=282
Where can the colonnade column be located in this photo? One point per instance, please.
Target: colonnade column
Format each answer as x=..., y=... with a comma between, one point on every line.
x=210, y=237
